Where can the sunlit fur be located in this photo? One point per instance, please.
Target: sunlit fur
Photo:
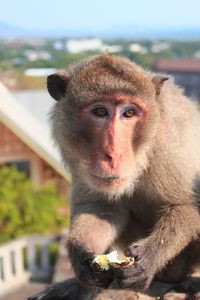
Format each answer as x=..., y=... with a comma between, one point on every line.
x=156, y=211
x=66, y=130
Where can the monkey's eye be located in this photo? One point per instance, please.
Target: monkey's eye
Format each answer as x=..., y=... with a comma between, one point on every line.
x=100, y=112
x=129, y=113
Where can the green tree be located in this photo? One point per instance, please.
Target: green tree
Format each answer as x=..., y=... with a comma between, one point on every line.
x=25, y=209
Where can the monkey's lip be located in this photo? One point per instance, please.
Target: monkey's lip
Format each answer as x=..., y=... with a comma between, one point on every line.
x=108, y=179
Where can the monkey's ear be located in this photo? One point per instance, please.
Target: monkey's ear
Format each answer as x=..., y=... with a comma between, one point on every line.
x=158, y=83
x=57, y=85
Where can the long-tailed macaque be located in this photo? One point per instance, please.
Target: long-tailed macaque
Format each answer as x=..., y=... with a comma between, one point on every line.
x=131, y=140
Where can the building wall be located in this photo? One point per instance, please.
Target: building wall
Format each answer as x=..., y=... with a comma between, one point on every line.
x=13, y=149
x=189, y=81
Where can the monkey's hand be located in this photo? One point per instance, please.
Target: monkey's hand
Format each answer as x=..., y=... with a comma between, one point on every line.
x=81, y=260
x=139, y=275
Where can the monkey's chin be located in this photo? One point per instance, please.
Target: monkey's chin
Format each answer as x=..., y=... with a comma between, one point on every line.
x=112, y=186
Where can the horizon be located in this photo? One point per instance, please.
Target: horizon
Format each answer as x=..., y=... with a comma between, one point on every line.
x=100, y=16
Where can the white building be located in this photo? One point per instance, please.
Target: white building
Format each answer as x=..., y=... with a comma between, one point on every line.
x=33, y=55
x=39, y=72
x=77, y=46
x=81, y=45
x=160, y=46
x=135, y=47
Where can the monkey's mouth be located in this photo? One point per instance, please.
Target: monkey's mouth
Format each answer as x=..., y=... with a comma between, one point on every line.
x=107, y=178
x=103, y=180
x=107, y=183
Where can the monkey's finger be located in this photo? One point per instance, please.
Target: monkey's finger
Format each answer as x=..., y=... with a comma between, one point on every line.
x=134, y=251
x=97, y=279
x=139, y=283
x=195, y=296
x=126, y=272
x=123, y=273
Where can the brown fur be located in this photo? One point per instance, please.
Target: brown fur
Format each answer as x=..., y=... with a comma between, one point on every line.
x=154, y=217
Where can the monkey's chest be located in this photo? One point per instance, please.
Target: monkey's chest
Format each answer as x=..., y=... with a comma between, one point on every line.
x=140, y=224
x=144, y=211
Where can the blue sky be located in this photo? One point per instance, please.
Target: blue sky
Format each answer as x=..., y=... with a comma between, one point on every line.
x=101, y=14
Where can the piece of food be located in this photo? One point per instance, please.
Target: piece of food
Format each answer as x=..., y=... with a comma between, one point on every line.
x=104, y=262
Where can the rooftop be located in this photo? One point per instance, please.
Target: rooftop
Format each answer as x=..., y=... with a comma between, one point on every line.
x=29, y=130
x=180, y=65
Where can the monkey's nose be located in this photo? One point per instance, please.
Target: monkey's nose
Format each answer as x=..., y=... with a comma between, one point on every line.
x=112, y=160
x=108, y=157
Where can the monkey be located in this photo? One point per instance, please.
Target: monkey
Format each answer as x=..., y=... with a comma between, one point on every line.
x=131, y=141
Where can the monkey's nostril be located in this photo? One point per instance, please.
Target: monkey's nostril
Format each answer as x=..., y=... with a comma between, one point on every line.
x=108, y=157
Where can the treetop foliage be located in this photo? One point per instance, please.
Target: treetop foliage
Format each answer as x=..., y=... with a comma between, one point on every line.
x=25, y=209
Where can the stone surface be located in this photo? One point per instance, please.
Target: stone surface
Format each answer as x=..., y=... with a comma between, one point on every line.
x=24, y=292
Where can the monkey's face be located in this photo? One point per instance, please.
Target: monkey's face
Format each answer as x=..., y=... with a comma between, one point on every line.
x=104, y=121
x=110, y=133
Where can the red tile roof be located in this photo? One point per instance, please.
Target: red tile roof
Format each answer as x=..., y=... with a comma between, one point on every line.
x=180, y=65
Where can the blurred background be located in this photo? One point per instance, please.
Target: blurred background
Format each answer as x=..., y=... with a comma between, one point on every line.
x=36, y=39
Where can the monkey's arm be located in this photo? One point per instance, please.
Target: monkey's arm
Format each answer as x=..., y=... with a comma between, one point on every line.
x=95, y=226
x=176, y=228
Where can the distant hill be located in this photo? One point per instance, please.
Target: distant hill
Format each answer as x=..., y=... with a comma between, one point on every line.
x=117, y=31
x=11, y=30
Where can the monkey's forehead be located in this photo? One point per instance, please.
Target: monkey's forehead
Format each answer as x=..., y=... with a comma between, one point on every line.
x=106, y=75
x=87, y=91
